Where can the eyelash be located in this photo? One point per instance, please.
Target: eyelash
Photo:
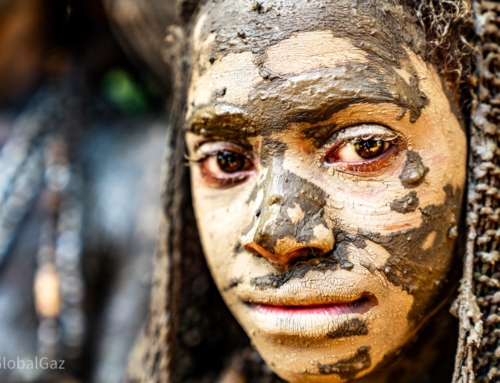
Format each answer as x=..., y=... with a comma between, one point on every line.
x=371, y=165
x=224, y=179
x=239, y=165
x=393, y=144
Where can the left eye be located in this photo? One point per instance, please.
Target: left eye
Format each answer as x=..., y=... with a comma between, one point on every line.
x=361, y=149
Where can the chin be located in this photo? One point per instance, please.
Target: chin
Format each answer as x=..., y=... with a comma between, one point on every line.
x=318, y=362
x=337, y=341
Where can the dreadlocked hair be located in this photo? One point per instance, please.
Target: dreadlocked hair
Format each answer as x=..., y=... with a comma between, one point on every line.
x=447, y=25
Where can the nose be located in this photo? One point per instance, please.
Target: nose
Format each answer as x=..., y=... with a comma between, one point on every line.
x=283, y=259
x=289, y=223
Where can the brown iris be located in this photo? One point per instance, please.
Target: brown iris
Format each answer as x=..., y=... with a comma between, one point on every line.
x=230, y=162
x=368, y=148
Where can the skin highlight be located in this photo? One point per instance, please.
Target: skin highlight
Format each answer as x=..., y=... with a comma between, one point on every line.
x=296, y=230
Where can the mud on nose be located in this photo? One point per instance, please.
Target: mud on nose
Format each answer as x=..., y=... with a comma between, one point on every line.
x=283, y=261
x=284, y=233
x=289, y=222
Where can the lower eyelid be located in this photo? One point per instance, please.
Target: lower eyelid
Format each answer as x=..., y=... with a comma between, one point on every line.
x=222, y=179
x=222, y=182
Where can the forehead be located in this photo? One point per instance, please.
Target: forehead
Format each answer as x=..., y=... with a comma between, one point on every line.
x=378, y=26
x=285, y=61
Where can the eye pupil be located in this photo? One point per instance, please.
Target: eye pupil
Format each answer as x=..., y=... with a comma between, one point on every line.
x=230, y=162
x=368, y=148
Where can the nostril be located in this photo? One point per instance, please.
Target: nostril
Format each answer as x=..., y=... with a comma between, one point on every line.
x=259, y=250
x=299, y=254
x=317, y=251
x=264, y=239
x=306, y=253
x=251, y=248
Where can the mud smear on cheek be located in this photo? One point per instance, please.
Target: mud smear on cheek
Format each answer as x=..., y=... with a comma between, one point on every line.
x=341, y=252
x=410, y=266
x=284, y=190
x=414, y=170
x=232, y=284
x=406, y=204
x=352, y=327
x=348, y=368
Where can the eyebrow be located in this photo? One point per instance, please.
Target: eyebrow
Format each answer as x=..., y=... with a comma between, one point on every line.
x=223, y=120
x=327, y=91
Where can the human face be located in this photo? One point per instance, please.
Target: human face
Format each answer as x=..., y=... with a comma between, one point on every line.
x=327, y=174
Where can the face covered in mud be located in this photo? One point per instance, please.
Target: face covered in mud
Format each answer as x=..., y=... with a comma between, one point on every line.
x=327, y=168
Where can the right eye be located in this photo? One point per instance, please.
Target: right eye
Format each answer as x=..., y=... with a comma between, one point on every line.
x=222, y=164
x=231, y=162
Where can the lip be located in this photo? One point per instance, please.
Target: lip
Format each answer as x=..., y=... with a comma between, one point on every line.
x=308, y=309
x=356, y=306
x=335, y=290
x=306, y=319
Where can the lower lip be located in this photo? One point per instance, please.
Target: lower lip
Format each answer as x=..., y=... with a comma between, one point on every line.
x=359, y=306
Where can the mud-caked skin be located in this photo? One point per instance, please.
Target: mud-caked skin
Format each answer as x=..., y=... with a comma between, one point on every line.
x=327, y=169
x=406, y=204
x=348, y=368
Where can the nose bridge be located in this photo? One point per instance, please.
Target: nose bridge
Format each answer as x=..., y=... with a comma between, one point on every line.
x=289, y=220
x=273, y=222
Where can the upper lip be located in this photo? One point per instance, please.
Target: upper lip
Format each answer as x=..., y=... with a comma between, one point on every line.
x=294, y=294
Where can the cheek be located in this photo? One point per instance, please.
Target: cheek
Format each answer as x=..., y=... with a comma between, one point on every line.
x=386, y=204
x=411, y=224
x=221, y=216
x=355, y=203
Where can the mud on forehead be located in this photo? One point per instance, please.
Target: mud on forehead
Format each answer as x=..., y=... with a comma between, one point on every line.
x=379, y=27
x=312, y=97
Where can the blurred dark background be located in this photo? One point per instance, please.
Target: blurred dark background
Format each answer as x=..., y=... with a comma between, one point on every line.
x=43, y=40
x=83, y=95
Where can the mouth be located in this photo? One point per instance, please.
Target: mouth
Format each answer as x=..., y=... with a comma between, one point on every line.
x=356, y=306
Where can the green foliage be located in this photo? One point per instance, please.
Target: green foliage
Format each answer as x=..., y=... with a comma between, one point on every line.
x=121, y=89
